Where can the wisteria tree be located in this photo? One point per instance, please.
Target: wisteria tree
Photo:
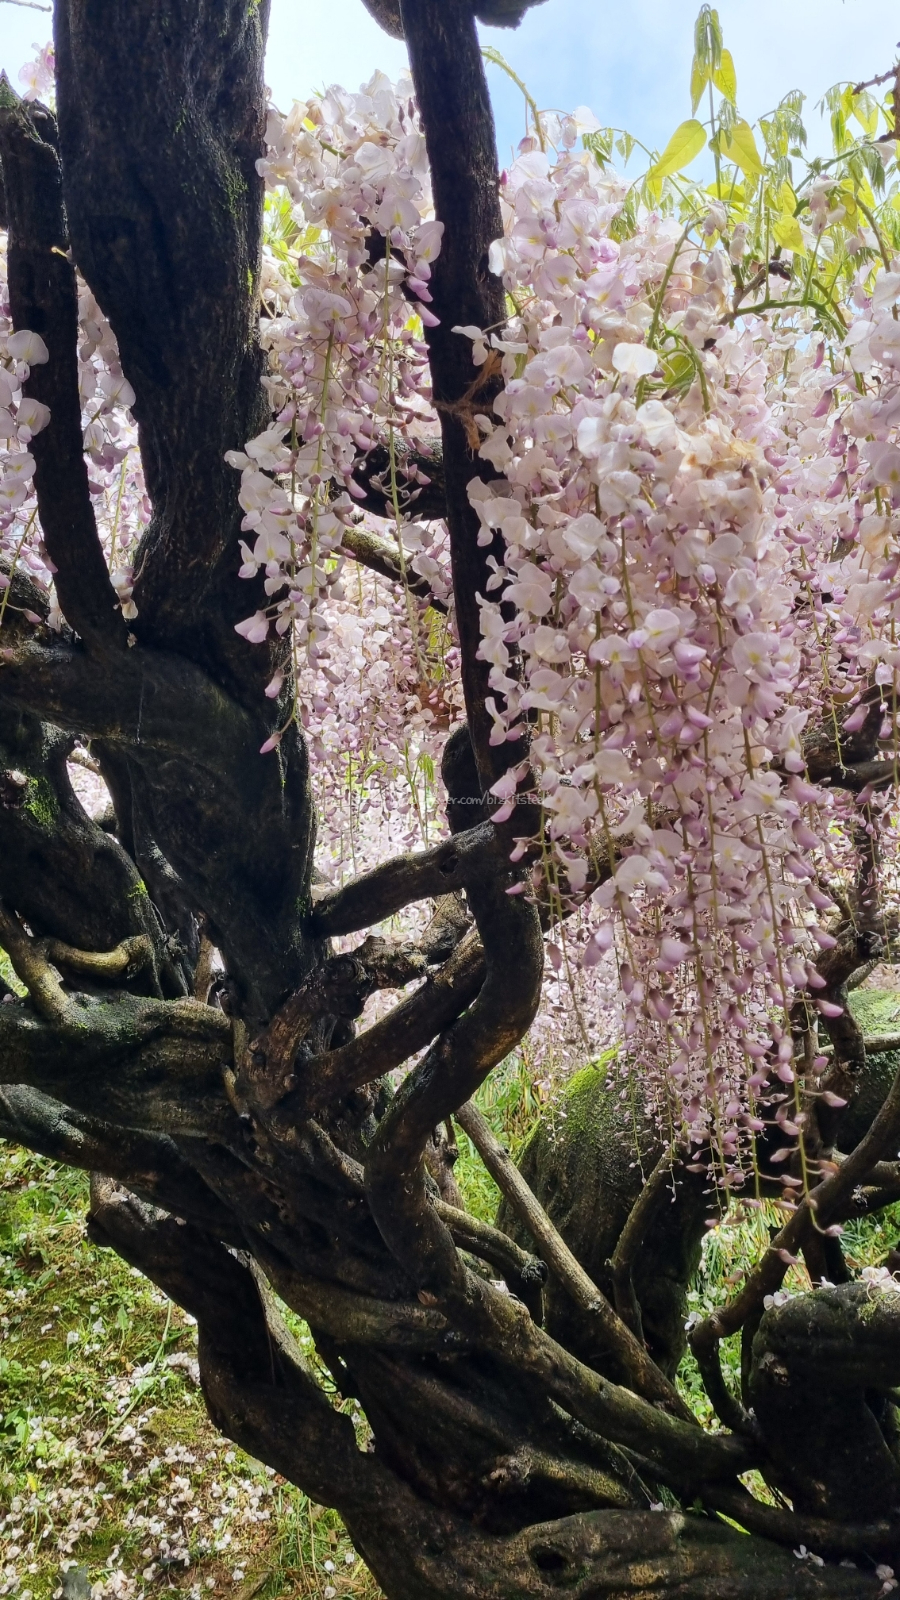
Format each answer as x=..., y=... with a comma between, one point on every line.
x=407, y=570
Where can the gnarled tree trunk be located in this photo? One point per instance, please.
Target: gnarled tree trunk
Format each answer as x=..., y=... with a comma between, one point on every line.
x=251, y=1152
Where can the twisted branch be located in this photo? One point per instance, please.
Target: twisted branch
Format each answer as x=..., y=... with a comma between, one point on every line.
x=386, y=889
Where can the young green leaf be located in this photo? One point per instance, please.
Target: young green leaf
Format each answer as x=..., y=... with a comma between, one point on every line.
x=725, y=78
x=865, y=110
x=686, y=142
x=708, y=38
x=739, y=146
x=699, y=80
x=786, y=232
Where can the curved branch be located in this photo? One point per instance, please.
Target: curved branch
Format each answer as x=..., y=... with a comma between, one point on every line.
x=123, y=961
x=140, y=1063
x=454, y=104
x=375, y=553
x=408, y=1028
x=31, y=968
x=454, y=1067
x=872, y=1539
x=424, y=875
x=631, y=1239
x=335, y=992
x=726, y=1406
x=524, y=1273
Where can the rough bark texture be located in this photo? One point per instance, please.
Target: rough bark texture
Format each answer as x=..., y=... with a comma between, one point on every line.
x=244, y=1141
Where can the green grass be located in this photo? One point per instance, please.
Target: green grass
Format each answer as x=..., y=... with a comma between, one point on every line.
x=107, y=1459
x=511, y=1103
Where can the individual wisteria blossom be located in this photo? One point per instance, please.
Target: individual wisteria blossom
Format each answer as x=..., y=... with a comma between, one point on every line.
x=38, y=76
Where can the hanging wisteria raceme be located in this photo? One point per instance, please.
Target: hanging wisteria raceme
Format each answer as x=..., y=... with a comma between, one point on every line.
x=347, y=366
x=20, y=420
x=702, y=565
x=699, y=564
x=115, y=475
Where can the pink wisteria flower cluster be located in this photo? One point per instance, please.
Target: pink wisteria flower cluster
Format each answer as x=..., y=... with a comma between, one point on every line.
x=701, y=572
x=115, y=475
x=20, y=420
x=110, y=435
x=698, y=570
x=698, y=508
x=347, y=366
x=350, y=242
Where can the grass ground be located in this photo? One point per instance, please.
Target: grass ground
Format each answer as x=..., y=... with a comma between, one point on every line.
x=107, y=1461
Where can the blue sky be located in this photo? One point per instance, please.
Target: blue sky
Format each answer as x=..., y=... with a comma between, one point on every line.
x=629, y=60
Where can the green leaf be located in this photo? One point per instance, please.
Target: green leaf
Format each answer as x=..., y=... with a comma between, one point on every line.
x=686, y=142
x=699, y=80
x=625, y=144
x=786, y=232
x=865, y=110
x=740, y=147
x=725, y=78
x=708, y=37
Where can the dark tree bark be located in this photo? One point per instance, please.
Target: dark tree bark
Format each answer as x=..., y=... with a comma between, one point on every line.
x=518, y=1379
